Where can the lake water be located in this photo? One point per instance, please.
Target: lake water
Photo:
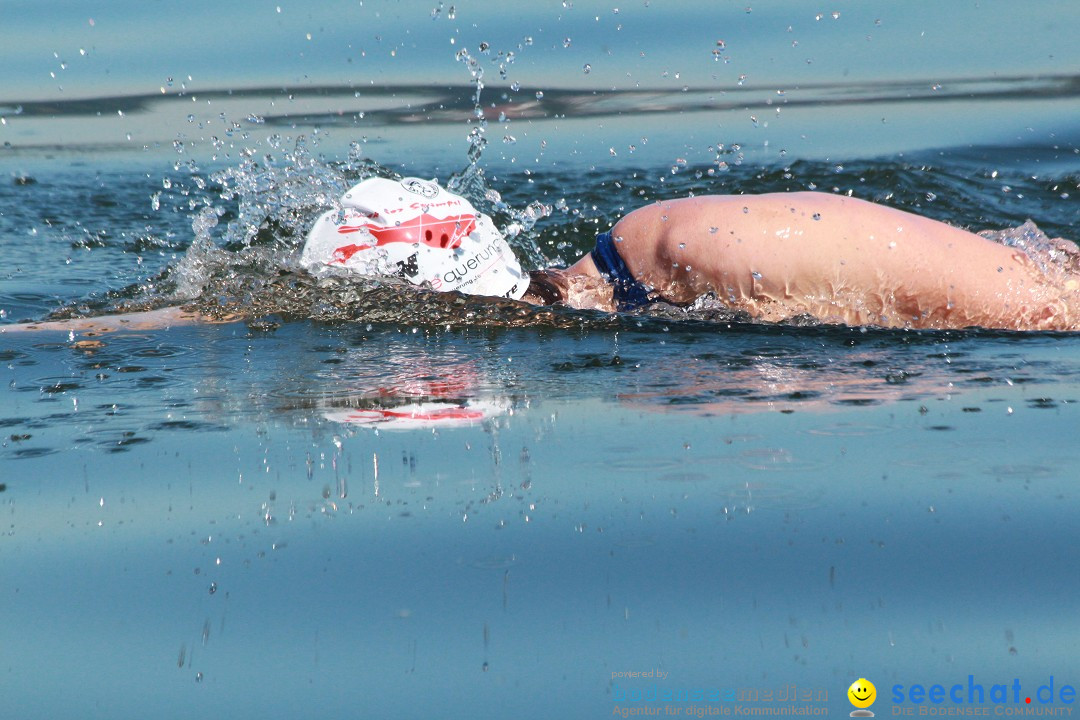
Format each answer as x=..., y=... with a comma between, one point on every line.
x=248, y=520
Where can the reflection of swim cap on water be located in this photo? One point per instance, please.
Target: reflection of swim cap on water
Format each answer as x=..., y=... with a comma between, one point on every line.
x=418, y=230
x=413, y=392
x=420, y=414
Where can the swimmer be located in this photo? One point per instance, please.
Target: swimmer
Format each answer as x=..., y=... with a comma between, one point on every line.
x=772, y=256
x=835, y=258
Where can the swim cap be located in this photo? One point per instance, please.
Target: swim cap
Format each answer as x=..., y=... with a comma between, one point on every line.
x=418, y=230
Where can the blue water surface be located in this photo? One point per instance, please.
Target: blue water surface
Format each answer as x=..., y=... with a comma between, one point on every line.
x=193, y=532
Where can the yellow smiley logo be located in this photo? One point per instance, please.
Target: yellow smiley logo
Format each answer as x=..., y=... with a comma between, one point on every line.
x=862, y=693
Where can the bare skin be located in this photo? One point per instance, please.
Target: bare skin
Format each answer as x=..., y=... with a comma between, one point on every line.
x=94, y=326
x=836, y=258
x=776, y=256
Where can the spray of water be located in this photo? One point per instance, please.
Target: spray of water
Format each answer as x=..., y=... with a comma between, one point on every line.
x=249, y=235
x=518, y=224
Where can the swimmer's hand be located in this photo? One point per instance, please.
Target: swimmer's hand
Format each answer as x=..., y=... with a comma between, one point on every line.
x=90, y=327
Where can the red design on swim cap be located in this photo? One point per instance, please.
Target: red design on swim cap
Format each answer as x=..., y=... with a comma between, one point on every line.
x=346, y=229
x=446, y=233
x=343, y=253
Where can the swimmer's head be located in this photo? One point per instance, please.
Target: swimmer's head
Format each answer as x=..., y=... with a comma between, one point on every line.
x=417, y=230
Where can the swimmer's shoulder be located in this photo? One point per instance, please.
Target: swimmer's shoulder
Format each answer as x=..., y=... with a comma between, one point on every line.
x=666, y=219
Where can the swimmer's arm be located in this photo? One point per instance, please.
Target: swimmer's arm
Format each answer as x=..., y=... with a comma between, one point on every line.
x=148, y=320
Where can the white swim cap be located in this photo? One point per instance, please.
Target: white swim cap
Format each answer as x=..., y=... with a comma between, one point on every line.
x=415, y=229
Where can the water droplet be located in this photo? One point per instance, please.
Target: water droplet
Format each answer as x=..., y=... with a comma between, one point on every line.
x=539, y=94
x=198, y=677
x=682, y=246
x=587, y=68
x=817, y=216
x=213, y=588
x=746, y=210
x=835, y=15
x=515, y=86
x=755, y=274
x=714, y=230
x=566, y=42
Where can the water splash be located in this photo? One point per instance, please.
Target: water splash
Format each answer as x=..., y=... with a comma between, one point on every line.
x=195, y=267
x=470, y=182
x=248, y=224
x=269, y=204
x=1053, y=256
